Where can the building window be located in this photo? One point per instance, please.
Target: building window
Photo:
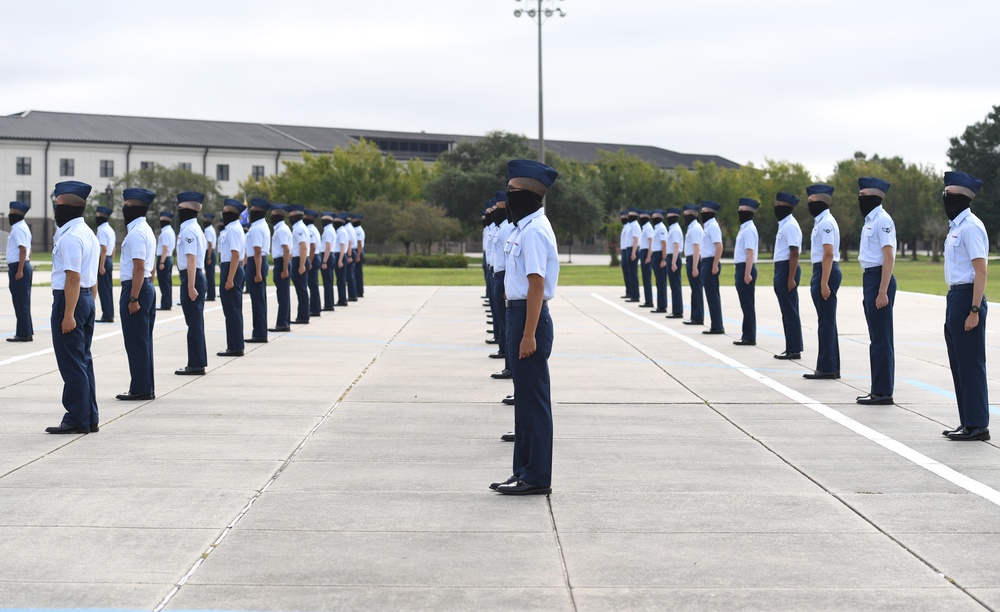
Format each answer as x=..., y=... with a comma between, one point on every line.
x=24, y=197
x=107, y=168
x=146, y=165
x=66, y=167
x=24, y=165
x=258, y=172
x=184, y=166
x=222, y=172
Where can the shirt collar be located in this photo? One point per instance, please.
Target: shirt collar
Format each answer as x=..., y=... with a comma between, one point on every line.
x=962, y=216
x=65, y=227
x=528, y=219
x=746, y=223
x=786, y=220
x=874, y=213
x=188, y=223
x=135, y=223
x=258, y=222
x=821, y=216
x=237, y=223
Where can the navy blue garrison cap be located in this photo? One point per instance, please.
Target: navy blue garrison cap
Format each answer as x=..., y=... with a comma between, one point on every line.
x=500, y=196
x=21, y=206
x=239, y=206
x=260, y=203
x=658, y=211
x=81, y=190
x=710, y=204
x=103, y=210
x=819, y=189
x=961, y=179
x=310, y=213
x=529, y=168
x=673, y=211
x=871, y=182
x=693, y=207
x=754, y=204
x=296, y=208
x=787, y=198
x=167, y=214
x=208, y=216
x=190, y=196
x=134, y=193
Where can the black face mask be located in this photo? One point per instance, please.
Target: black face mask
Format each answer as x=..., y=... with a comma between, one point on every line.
x=229, y=217
x=624, y=221
x=66, y=213
x=101, y=220
x=186, y=214
x=327, y=222
x=12, y=218
x=672, y=219
x=745, y=215
x=868, y=203
x=780, y=212
x=643, y=222
x=256, y=215
x=205, y=223
x=499, y=214
x=954, y=204
x=632, y=218
x=164, y=223
x=689, y=219
x=521, y=204
x=486, y=222
x=356, y=223
x=131, y=213
x=276, y=220
x=294, y=219
x=817, y=208
x=706, y=217
x=656, y=221
x=337, y=224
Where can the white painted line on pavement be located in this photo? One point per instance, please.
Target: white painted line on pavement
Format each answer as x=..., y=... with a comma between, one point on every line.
x=956, y=478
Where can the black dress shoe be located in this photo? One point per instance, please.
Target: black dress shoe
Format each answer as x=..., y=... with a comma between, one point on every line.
x=624, y=297
x=280, y=329
x=498, y=355
x=675, y=316
x=508, y=401
x=185, y=371
x=504, y=373
x=230, y=353
x=95, y=428
x=300, y=322
x=163, y=309
x=714, y=331
x=522, y=488
x=659, y=310
x=822, y=376
x=344, y=304
x=508, y=437
x=135, y=397
x=491, y=341
x=66, y=429
x=352, y=299
x=744, y=343
x=694, y=322
x=104, y=321
x=209, y=299
x=970, y=434
x=875, y=400
x=508, y=481
x=20, y=339
x=959, y=429
x=632, y=300
x=645, y=305
x=787, y=355
x=330, y=309
x=315, y=314
x=255, y=341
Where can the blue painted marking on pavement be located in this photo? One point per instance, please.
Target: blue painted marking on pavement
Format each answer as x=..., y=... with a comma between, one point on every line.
x=942, y=392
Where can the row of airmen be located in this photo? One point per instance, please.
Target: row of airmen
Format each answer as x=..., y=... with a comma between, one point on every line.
x=82, y=266
x=654, y=240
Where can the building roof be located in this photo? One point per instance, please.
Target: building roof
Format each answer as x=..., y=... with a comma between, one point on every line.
x=155, y=131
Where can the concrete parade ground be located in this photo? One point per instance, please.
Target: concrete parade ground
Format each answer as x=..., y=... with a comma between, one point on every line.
x=345, y=466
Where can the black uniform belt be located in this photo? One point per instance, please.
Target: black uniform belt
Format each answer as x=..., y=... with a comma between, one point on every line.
x=521, y=303
x=960, y=286
x=145, y=279
x=83, y=291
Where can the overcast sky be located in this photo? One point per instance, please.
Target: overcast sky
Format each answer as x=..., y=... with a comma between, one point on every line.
x=810, y=81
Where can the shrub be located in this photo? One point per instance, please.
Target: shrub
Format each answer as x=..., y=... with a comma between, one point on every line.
x=417, y=261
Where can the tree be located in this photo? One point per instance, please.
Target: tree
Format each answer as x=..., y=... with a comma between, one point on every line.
x=468, y=175
x=166, y=183
x=631, y=182
x=424, y=224
x=574, y=204
x=380, y=223
x=977, y=151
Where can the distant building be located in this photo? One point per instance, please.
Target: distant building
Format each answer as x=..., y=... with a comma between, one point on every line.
x=39, y=149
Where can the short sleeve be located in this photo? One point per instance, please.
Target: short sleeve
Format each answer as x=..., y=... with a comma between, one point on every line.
x=750, y=241
x=535, y=249
x=886, y=234
x=187, y=245
x=826, y=234
x=72, y=254
x=976, y=242
x=795, y=236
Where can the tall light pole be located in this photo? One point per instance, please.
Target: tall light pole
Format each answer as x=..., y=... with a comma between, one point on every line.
x=540, y=12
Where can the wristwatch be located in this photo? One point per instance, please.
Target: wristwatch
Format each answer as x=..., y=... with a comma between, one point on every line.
x=132, y=300
x=975, y=309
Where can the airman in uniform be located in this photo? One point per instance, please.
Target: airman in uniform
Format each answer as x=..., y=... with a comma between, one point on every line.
x=825, y=281
x=877, y=256
x=787, y=273
x=19, y=272
x=692, y=261
x=301, y=237
x=191, y=249
x=137, y=302
x=232, y=249
x=258, y=247
x=711, y=265
x=745, y=258
x=107, y=239
x=281, y=257
x=212, y=239
x=165, y=267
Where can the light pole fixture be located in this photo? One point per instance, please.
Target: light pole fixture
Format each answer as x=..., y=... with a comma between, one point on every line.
x=539, y=11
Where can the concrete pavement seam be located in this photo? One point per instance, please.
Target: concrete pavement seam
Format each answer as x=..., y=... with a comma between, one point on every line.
x=562, y=554
x=226, y=531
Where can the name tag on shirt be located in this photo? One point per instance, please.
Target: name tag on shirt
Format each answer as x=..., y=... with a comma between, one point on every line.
x=953, y=240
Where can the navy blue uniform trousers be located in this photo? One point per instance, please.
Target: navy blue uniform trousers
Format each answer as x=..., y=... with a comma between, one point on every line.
x=748, y=301
x=76, y=365
x=165, y=280
x=697, y=292
x=137, y=332
x=711, y=284
x=967, y=357
x=341, y=273
x=486, y=278
x=788, y=302
x=258, y=297
x=881, y=351
x=232, y=304
x=283, y=294
x=359, y=274
x=104, y=292
x=315, y=304
x=532, y=396
x=828, y=359
x=352, y=282
x=631, y=271
x=194, y=318
x=20, y=298
x=328, y=282
x=647, y=277
x=660, y=274
x=674, y=278
x=210, y=276
x=301, y=283
x=500, y=315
